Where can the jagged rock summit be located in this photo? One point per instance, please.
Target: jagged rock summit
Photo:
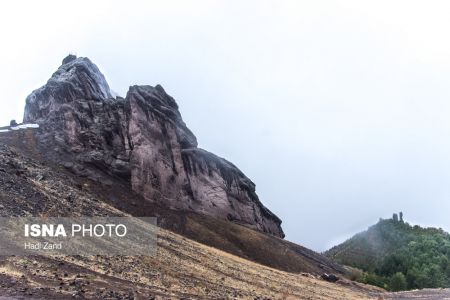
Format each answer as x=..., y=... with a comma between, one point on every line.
x=140, y=139
x=76, y=79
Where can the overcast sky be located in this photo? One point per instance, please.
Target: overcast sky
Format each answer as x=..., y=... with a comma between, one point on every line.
x=339, y=111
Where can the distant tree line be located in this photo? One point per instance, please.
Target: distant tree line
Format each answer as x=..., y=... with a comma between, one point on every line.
x=398, y=256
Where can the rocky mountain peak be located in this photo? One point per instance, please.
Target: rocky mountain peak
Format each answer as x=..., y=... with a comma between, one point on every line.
x=141, y=140
x=77, y=78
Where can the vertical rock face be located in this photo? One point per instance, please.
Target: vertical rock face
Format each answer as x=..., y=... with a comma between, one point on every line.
x=143, y=140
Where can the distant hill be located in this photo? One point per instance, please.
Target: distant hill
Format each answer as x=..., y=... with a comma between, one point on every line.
x=398, y=256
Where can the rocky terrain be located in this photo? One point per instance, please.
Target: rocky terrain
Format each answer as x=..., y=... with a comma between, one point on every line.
x=182, y=268
x=33, y=186
x=142, y=140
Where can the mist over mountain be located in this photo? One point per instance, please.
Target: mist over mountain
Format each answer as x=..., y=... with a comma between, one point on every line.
x=397, y=255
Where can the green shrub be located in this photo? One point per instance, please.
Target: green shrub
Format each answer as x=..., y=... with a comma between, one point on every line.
x=398, y=282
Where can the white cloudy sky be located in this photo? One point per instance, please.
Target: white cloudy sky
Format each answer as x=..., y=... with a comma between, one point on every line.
x=338, y=110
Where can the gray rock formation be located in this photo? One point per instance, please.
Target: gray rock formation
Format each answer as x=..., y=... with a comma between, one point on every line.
x=140, y=139
x=76, y=79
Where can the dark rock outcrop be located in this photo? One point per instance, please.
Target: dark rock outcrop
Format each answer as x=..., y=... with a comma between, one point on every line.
x=329, y=277
x=140, y=139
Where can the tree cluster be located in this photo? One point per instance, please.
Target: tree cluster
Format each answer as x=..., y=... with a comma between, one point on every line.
x=398, y=256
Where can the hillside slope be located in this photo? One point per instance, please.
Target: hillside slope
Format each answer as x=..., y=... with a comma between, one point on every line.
x=60, y=192
x=182, y=268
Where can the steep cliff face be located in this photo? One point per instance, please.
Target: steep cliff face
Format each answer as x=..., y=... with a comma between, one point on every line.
x=140, y=139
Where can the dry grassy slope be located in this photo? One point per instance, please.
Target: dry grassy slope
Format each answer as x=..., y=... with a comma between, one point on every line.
x=182, y=269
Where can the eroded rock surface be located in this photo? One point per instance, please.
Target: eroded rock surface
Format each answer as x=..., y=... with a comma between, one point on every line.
x=140, y=139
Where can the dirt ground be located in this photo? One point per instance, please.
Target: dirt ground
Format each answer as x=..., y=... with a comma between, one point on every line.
x=182, y=269
x=428, y=294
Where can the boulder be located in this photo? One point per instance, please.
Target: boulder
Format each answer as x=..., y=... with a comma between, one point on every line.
x=329, y=277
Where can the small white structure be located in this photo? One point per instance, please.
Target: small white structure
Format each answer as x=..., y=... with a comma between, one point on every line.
x=20, y=126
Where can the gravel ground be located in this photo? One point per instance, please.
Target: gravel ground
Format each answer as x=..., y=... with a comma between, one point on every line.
x=427, y=294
